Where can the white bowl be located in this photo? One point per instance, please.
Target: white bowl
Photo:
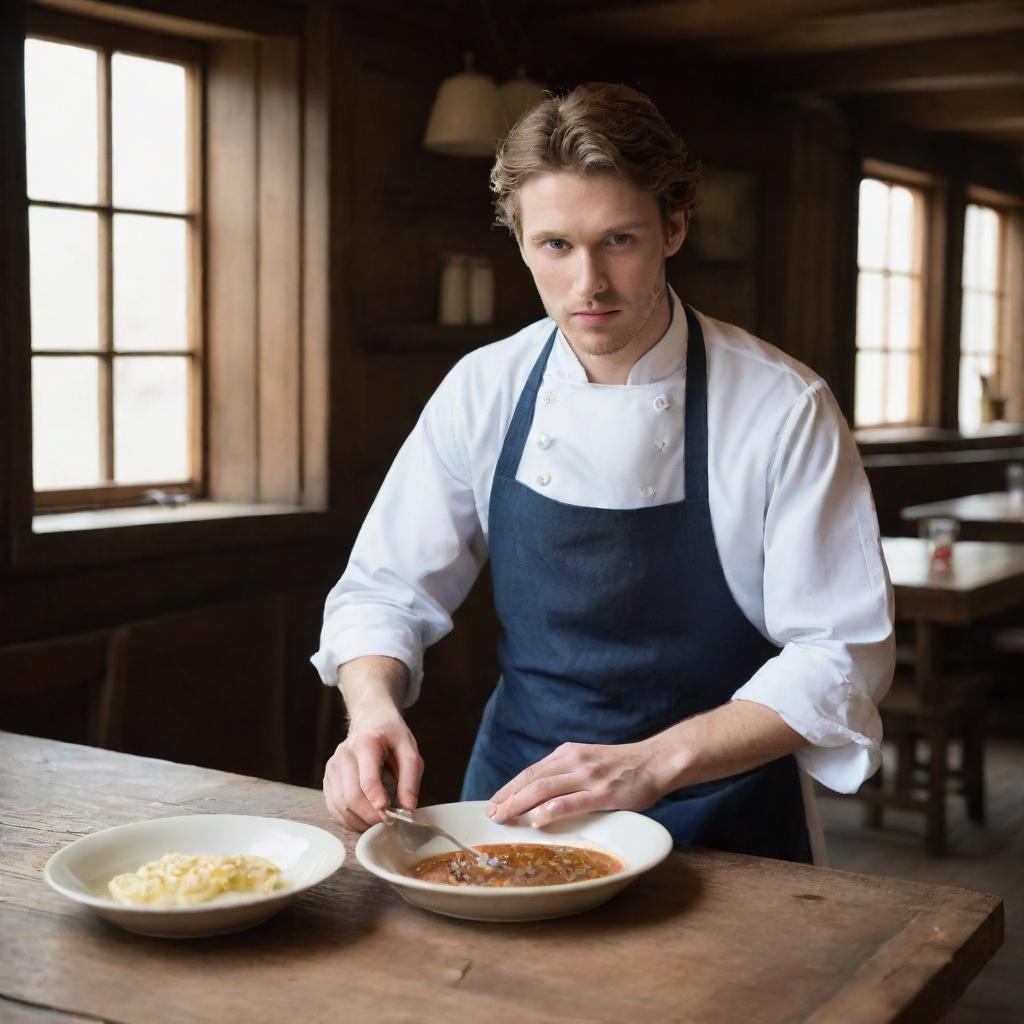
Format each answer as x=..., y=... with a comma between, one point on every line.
x=305, y=854
x=639, y=842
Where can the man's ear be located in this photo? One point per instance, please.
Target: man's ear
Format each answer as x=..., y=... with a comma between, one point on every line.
x=678, y=223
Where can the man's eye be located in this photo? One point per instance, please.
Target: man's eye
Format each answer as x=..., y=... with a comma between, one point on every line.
x=558, y=244
x=621, y=239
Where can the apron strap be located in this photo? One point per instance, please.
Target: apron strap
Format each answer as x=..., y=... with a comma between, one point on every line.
x=522, y=418
x=695, y=439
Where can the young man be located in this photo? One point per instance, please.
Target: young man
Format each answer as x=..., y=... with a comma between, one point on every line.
x=685, y=554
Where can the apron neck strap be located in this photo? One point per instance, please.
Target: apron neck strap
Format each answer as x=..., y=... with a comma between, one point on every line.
x=522, y=418
x=695, y=438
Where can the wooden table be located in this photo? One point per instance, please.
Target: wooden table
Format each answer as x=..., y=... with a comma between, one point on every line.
x=704, y=937
x=992, y=516
x=984, y=579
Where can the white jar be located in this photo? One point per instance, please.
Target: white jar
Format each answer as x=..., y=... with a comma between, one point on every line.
x=481, y=291
x=453, y=301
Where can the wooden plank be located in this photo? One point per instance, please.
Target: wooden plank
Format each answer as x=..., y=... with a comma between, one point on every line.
x=15, y=351
x=704, y=936
x=278, y=268
x=316, y=261
x=233, y=245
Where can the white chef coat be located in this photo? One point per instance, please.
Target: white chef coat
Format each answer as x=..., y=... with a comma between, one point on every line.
x=791, y=510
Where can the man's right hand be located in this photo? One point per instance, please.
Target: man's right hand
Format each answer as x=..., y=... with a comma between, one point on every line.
x=378, y=738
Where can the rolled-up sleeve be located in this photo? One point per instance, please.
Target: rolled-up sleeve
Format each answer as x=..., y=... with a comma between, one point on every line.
x=416, y=557
x=828, y=600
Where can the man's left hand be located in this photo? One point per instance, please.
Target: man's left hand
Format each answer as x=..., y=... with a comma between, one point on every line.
x=580, y=777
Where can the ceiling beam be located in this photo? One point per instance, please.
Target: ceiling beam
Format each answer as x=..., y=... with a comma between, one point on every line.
x=962, y=110
x=975, y=62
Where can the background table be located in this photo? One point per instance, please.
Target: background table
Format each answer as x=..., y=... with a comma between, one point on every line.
x=992, y=516
x=985, y=578
x=704, y=937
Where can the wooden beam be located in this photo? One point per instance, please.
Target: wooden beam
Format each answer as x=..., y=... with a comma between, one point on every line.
x=960, y=110
x=876, y=28
x=979, y=62
x=675, y=20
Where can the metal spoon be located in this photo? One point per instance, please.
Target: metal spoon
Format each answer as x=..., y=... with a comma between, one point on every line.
x=416, y=833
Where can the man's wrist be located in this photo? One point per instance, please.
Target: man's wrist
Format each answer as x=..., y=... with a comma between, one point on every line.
x=373, y=689
x=672, y=759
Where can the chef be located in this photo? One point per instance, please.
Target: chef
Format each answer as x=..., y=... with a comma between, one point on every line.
x=695, y=614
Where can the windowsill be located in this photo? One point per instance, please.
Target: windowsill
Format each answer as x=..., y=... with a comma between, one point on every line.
x=151, y=515
x=879, y=440
x=62, y=540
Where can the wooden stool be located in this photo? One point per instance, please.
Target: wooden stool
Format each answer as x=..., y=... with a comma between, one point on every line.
x=906, y=720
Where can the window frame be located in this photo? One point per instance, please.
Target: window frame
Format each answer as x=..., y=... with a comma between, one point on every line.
x=923, y=188
x=107, y=38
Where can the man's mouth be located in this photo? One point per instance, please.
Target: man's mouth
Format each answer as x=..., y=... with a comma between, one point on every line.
x=595, y=317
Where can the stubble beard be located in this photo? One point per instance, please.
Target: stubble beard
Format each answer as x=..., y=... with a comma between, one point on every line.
x=610, y=346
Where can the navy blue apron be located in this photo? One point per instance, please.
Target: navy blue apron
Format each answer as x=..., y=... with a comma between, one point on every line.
x=617, y=623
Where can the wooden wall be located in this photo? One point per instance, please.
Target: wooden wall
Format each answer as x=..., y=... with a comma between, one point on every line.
x=394, y=211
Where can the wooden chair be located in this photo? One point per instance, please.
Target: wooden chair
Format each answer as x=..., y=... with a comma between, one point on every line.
x=953, y=715
x=69, y=669
x=205, y=687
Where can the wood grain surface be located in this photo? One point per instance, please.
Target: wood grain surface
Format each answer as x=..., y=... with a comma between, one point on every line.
x=704, y=937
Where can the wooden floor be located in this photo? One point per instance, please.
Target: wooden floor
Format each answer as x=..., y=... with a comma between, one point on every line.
x=988, y=859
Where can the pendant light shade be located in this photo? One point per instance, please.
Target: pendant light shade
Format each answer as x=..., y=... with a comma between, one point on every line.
x=467, y=115
x=520, y=94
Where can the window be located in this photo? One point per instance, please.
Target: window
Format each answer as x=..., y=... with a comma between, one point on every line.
x=890, y=304
x=982, y=372
x=115, y=235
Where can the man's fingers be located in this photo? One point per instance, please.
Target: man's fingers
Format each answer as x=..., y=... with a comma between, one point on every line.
x=409, y=766
x=355, y=802
x=369, y=761
x=580, y=802
x=554, y=764
x=538, y=792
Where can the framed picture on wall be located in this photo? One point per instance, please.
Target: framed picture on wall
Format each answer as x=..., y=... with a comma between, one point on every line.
x=725, y=223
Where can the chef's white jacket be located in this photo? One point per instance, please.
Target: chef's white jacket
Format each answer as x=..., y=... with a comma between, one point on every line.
x=791, y=510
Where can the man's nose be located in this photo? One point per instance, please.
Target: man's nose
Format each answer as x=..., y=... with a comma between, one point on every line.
x=590, y=275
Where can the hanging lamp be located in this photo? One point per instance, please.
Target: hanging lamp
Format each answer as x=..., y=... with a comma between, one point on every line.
x=520, y=94
x=467, y=117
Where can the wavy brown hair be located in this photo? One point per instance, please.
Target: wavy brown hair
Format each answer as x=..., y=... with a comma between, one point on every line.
x=596, y=128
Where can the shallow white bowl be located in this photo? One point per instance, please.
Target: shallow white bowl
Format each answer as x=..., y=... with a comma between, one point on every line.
x=639, y=842
x=305, y=854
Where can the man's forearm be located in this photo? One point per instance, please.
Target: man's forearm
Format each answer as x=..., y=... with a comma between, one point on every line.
x=372, y=687
x=733, y=738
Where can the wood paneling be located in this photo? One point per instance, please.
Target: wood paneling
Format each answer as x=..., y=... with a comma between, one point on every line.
x=279, y=220
x=232, y=182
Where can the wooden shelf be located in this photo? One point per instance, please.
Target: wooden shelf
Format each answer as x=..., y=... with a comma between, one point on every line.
x=394, y=337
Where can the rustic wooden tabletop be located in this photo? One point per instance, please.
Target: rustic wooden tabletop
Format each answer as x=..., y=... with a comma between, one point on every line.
x=705, y=937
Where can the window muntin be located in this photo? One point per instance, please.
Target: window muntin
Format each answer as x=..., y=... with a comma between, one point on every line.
x=114, y=222
x=981, y=311
x=890, y=303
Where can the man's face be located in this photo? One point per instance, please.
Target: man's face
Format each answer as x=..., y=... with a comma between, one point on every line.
x=596, y=248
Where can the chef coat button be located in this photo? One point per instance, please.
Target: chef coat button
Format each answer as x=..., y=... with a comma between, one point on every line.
x=543, y=479
x=661, y=445
x=547, y=398
x=661, y=403
x=543, y=441
x=648, y=491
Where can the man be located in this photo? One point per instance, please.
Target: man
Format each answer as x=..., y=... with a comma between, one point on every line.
x=685, y=554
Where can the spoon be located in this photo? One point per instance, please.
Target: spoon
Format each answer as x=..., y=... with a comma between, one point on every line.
x=418, y=832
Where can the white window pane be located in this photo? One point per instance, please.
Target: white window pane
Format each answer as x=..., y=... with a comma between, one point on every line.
x=60, y=122
x=63, y=258
x=971, y=369
x=898, y=388
x=901, y=229
x=978, y=322
x=872, y=223
x=868, y=387
x=149, y=283
x=901, y=313
x=151, y=420
x=988, y=246
x=972, y=239
x=65, y=422
x=870, y=310
x=149, y=133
